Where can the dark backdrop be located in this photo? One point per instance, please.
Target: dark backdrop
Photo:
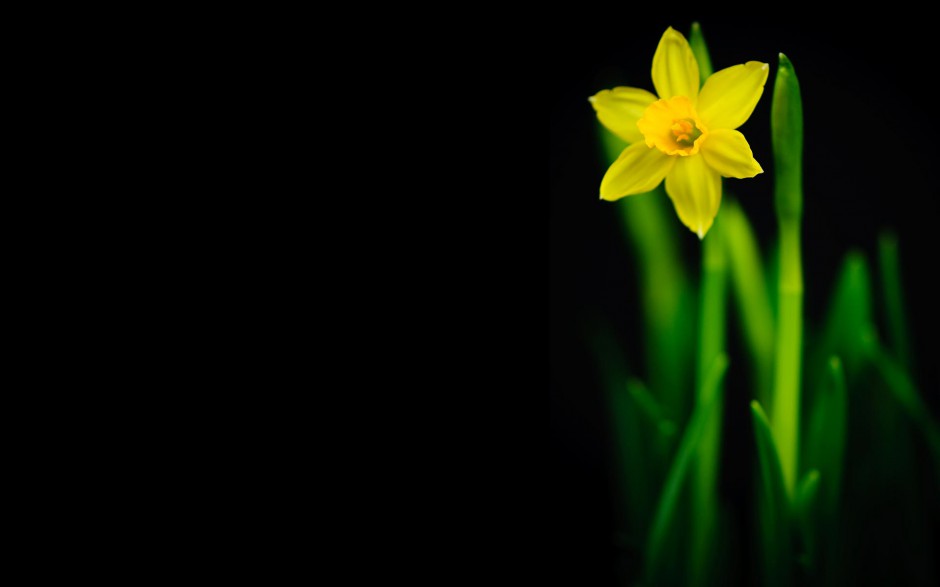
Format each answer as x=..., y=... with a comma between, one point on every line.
x=872, y=138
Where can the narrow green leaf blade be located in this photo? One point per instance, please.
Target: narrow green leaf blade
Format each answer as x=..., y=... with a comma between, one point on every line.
x=749, y=285
x=804, y=509
x=653, y=233
x=837, y=417
x=700, y=50
x=632, y=466
x=849, y=317
x=826, y=435
x=890, y=266
x=786, y=129
x=712, y=344
x=650, y=408
x=774, y=505
x=786, y=123
x=905, y=392
x=806, y=493
x=668, y=500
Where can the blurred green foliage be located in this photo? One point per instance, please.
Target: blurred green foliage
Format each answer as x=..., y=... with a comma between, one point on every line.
x=847, y=425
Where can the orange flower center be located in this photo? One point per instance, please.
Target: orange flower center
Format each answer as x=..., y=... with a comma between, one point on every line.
x=673, y=127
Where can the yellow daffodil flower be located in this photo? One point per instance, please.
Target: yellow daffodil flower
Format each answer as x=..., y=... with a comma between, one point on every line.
x=687, y=136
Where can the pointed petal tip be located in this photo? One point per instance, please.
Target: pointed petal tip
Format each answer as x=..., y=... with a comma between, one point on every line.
x=591, y=99
x=701, y=233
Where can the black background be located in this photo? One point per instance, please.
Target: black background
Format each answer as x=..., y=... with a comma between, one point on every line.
x=872, y=139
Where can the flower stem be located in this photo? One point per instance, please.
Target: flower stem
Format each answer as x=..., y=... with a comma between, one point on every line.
x=712, y=311
x=667, y=508
x=787, y=134
x=667, y=298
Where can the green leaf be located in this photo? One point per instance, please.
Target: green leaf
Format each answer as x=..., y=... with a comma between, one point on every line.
x=904, y=391
x=774, y=504
x=653, y=233
x=669, y=498
x=712, y=344
x=749, y=285
x=786, y=125
x=804, y=505
x=786, y=129
x=826, y=436
x=700, y=50
x=806, y=493
x=848, y=326
x=771, y=473
x=611, y=144
x=650, y=408
x=889, y=264
x=632, y=466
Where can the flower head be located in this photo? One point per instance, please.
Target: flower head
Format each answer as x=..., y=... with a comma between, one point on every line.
x=686, y=136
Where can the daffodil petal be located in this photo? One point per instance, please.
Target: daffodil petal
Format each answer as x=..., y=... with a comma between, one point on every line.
x=619, y=109
x=638, y=169
x=695, y=190
x=675, y=70
x=730, y=95
x=727, y=152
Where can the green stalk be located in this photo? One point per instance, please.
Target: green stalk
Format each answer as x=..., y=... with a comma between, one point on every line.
x=832, y=458
x=787, y=134
x=773, y=507
x=634, y=487
x=712, y=310
x=849, y=319
x=700, y=49
x=669, y=498
x=750, y=292
x=905, y=392
x=649, y=407
x=667, y=301
x=805, y=514
x=711, y=345
x=894, y=301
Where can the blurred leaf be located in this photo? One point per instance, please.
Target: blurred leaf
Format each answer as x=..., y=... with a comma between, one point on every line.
x=712, y=344
x=786, y=129
x=893, y=298
x=806, y=493
x=786, y=124
x=651, y=409
x=700, y=49
x=669, y=498
x=773, y=278
x=774, y=504
x=804, y=506
x=749, y=285
x=631, y=463
x=826, y=437
x=611, y=144
x=905, y=392
x=653, y=233
x=848, y=326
